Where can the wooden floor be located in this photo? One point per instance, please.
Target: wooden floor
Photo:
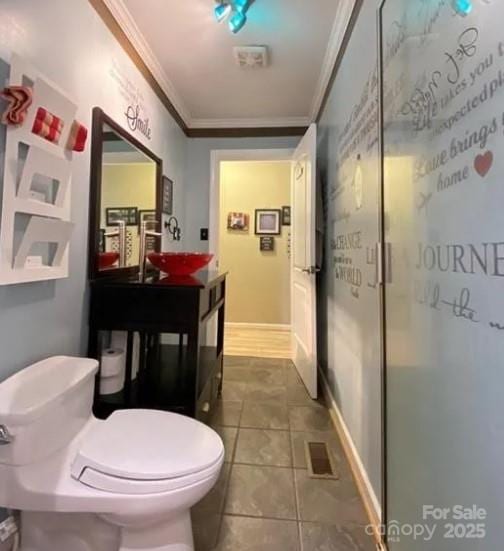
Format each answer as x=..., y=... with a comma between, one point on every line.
x=258, y=343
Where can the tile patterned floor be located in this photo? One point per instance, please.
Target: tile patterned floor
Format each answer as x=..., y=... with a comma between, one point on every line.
x=265, y=499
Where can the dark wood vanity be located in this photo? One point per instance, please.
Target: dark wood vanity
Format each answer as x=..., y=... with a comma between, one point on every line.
x=171, y=328
x=184, y=376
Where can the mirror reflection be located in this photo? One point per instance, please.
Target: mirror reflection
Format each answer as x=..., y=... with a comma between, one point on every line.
x=128, y=198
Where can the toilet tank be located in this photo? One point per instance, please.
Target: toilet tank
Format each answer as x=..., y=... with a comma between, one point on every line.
x=44, y=406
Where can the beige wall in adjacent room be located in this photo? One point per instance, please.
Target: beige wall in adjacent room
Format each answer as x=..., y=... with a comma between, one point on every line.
x=128, y=185
x=258, y=282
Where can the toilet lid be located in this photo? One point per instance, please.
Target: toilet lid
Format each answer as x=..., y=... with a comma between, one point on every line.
x=148, y=445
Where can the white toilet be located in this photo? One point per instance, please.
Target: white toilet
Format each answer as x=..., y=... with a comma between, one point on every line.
x=83, y=484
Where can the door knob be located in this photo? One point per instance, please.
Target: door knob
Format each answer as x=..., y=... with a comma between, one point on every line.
x=311, y=270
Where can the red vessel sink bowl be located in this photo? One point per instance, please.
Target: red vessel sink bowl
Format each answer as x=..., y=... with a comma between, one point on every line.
x=180, y=264
x=107, y=260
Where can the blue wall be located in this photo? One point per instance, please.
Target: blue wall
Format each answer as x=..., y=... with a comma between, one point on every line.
x=41, y=319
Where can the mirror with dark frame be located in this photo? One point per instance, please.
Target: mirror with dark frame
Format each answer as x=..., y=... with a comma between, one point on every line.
x=125, y=200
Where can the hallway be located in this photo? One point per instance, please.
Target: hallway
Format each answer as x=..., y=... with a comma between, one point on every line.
x=265, y=499
x=257, y=342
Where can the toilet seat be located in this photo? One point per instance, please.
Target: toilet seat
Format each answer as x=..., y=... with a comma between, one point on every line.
x=146, y=452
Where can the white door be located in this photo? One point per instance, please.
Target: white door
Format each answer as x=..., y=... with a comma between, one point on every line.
x=303, y=296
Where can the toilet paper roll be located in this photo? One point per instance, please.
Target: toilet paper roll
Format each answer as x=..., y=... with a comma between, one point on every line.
x=119, y=339
x=113, y=362
x=113, y=369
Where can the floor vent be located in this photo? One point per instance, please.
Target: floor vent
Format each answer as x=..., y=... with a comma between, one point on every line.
x=319, y=460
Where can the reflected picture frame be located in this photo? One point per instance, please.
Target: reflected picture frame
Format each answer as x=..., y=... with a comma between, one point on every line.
x=146, y=215
x=114, y=214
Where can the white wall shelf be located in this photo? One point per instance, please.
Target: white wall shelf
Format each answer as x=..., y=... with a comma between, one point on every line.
x=48, y=165
x=38, y=208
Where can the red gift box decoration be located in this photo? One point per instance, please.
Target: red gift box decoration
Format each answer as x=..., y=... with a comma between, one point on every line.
x=77, y=138
x=47, y=125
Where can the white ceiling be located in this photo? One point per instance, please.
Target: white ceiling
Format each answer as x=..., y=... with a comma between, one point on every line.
x=191, y=56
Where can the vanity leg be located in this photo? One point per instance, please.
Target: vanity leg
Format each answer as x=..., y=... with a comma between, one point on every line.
x=180, y=347
x=129, y=370
x=193, y=357
x=142, y=355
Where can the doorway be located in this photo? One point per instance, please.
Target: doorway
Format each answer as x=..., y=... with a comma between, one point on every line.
x=252, y=240
x=268, y=223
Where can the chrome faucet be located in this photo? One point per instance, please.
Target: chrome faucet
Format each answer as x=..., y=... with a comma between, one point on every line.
x=144, y=233
x=5, y=436
x=120, y=233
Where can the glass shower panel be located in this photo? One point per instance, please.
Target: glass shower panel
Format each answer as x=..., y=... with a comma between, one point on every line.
x=443, y=185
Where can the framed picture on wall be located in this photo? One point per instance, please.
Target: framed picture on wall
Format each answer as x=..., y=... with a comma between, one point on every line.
x=238, y=221
x=167, y=204
x=286, y=216
x=267, y=221
x=267, y=243
x=114, y=215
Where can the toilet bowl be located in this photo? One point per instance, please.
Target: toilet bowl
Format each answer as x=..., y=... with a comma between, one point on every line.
x=133, y=477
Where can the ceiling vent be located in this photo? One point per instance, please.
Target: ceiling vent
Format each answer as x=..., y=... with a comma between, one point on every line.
x=251, y=57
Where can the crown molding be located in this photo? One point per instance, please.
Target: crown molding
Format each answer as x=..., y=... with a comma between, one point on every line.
x=123, y=17
x=357, y=6
x=130, y=50
x=274, y=122
x=339, y=29
x=244, y=132
x=119, y=21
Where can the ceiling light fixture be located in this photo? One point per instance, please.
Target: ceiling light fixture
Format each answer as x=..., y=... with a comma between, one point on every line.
x=241, y=5
x=237, y=21
x=462, y=7
x=236, y=10
x=222, y=10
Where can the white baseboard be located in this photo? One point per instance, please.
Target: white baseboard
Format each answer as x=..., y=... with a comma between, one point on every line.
x=263, y=326
x=369, y=497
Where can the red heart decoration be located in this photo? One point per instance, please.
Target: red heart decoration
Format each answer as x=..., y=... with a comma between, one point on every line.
x=483, y=163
